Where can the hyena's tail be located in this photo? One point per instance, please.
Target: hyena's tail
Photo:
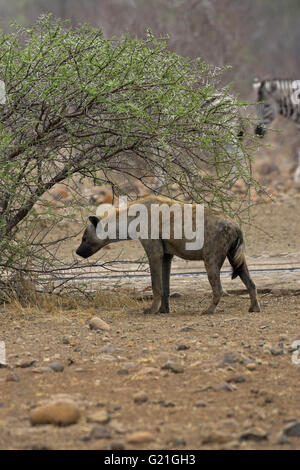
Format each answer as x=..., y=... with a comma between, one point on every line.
x=236, y=254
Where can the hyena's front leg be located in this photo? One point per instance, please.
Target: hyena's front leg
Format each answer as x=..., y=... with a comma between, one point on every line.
x=154, y=251
x=166, y=271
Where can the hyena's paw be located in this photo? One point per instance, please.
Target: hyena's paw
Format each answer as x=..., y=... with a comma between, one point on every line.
x=149, y=311
x=164, y=310
x=207, y=312
x=254, y=308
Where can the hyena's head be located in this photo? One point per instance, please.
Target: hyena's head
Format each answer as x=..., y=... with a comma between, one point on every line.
x=90, y=242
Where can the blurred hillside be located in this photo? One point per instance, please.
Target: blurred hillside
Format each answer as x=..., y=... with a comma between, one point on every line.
x=258, y=38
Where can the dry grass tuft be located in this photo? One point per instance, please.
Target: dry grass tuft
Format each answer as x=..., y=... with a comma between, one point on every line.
x=115, y=299
x=26, y=300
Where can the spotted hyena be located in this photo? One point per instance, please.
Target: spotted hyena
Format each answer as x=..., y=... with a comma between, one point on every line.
x=221, y=239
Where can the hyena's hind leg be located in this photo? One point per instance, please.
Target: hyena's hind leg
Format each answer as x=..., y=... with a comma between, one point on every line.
x=246, y=279
x=213, y=274
x=236, y=257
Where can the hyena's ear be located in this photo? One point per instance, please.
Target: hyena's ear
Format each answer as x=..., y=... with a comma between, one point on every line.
x=94, y=221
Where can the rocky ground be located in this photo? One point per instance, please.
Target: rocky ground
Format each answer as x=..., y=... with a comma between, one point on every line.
x=176, y=381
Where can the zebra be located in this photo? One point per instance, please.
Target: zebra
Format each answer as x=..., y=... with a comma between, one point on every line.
x=277, y=97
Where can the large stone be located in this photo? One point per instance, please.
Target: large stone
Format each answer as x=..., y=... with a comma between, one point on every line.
x=60, y=413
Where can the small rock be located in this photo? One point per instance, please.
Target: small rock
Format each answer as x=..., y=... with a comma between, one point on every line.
x=117, y=445
x=175, y=295
x=99, y=417
x=172, y=366
x=66, y=340
x=185, y=329
x=237, y=379
x=182, y=347
x=293, y=429
x=179, y=442
x=200, y=404
x=98, y=324
x=26, y=364
x=254, y=435
x=100, y=432
x=230, y=358
x=251, y=366
x=166, y=404
x=56, y=367
x=276, y=352
x=140, y=437
x=140, y=398
x=61, y=413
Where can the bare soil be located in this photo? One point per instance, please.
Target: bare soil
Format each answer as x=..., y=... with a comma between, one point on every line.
x=232, y=382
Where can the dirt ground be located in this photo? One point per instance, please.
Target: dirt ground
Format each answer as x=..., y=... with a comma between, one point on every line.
x=225, y=381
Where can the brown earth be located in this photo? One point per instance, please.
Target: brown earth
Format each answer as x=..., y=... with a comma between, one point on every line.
x=231, y=382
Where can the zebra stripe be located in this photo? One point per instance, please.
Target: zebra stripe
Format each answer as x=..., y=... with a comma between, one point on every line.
x=277, y=97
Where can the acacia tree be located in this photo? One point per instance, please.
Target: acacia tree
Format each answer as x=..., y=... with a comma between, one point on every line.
x=80, y=104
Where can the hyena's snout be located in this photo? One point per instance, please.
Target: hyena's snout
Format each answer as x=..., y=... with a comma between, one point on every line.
x=84, y=252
